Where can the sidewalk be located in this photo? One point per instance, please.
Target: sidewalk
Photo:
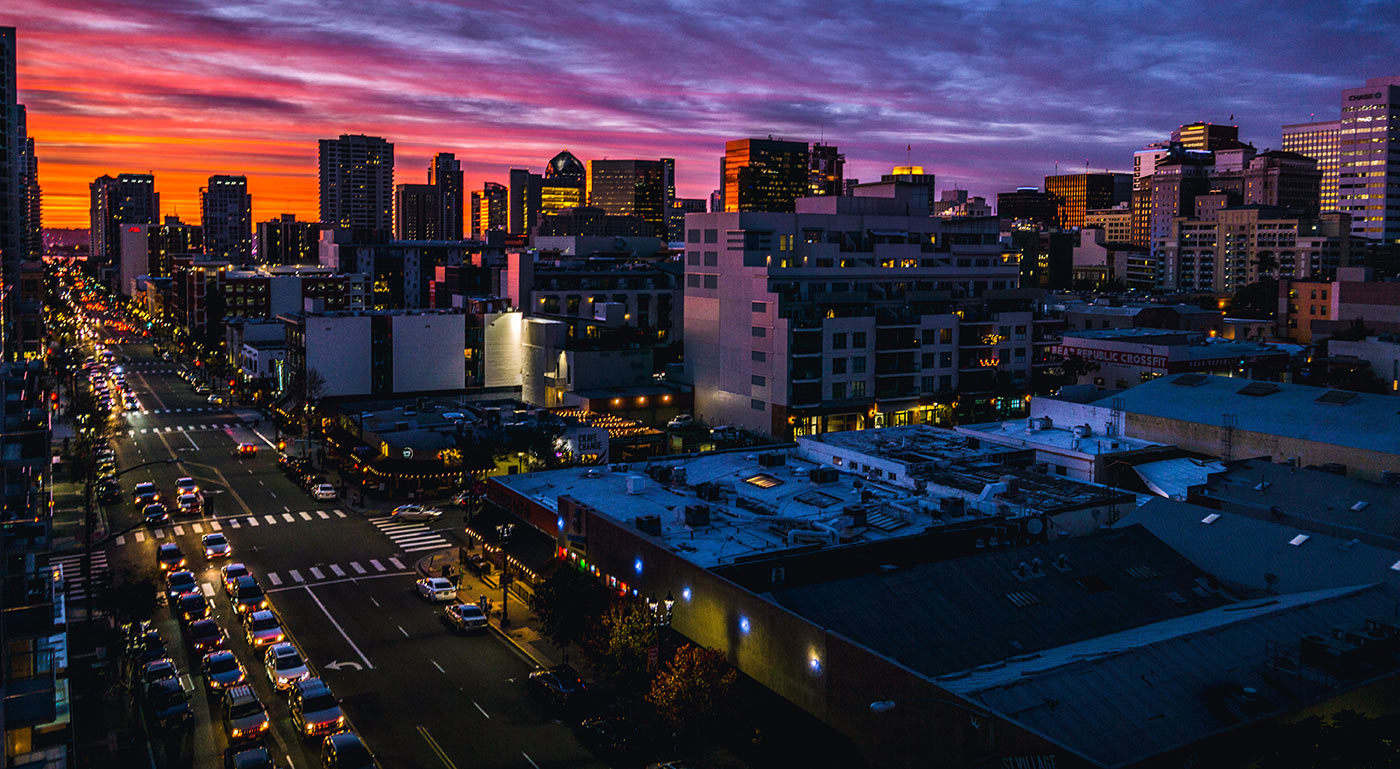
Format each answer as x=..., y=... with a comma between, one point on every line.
x=523, y=632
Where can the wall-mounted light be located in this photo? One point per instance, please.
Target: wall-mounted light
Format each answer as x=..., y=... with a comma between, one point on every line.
x=685, y=594
x=744, y=625
x=637, y=565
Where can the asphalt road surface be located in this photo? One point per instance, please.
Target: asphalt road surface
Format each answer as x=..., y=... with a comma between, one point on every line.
x=341, y=581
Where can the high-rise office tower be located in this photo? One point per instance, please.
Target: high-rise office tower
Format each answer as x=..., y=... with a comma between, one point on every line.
x=118, y=201
x=445, y=173
x=675, y=216
x=1368, y=179
x=33, y=195
x=1028, y=206
x=564, y=184
x=1075, y=193
x=285, y=240
x=226, y=213
x=357, y=186
x=416, y=212
x=524, y=212
x=630, y=188
x=12, y=202
x=825, y=170
x=1206, y=136
x=1283, y=179
x=1322, y=142
x=490, y=209
x=763, y=174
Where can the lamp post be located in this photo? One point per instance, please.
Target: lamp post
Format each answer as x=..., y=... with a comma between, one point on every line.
x=504, y=531
x=661, y=620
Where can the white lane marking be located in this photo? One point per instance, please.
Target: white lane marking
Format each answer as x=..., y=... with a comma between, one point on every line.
x=357, y=567
x=252, y=521
x=296, y=575
x=179, y=531
x=343, y=634
x=288, y=518
x=337, y=571
x=373, y=601
x=531, y=760
x=397, y=563
x=478, y=705
x=401, y=630
x=216, y=526
x=121, y=540
x=340, y=513
x=317, y=573
x=439, y=667
x=273, y=578
x=377, y=565
x=192, y=443
x=323, y=514
x=305, y=516
x=198, y=528
x=232, y=522
x=140, y=536
x=420, y=548
x=160, y=533
x=208, y=590
x=270, y=518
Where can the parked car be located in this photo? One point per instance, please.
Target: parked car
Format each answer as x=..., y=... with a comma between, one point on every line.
x=244, y=716
x=146, y=645
x=223, y=670
x=168, y=705
x=178, y=583
x=285, y=666
x=248, y=757
x=681, y=420
x=154, y=514
x=157, y=670
x=345, y=750
x=463, y=618
x=216, y=545
x=108, y=491
x=169, y=557
x=414, y=513
x=558, y=687
x=314, y=709
x=323, y=491
x=437, y=589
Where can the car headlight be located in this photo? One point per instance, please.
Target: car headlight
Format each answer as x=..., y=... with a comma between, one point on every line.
x=310, y=728
x=279, y=636
x=339, y=720
x=237, y=732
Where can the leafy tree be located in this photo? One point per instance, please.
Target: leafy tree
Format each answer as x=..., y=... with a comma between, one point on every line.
x=1347, y=740
x=689, y=692
x=131, y=597
x=629, y=632
x=1256, y=300
x=566, y=603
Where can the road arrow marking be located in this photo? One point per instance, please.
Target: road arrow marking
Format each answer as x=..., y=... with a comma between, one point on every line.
x=342, y=665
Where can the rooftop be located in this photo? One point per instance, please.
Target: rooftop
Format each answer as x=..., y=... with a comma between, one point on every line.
x=1214, y=540
x=1337, y=417
x=909, y=444
x=1172, y=478
x=1025, y=433
x=939, y=618
x=1124, y=697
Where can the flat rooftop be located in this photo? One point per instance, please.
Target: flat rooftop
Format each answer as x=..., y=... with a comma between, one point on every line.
x=1018, y=432
x=754, y=509
x=911, y=444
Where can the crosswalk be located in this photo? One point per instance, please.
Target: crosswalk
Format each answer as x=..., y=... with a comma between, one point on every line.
x=333, y=571
x=189, y=410
x=207, y=525
x=190, y=428
x=73, y=578
x=410, y=537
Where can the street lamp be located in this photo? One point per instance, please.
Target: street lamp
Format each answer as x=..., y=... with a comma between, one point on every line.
x=661, y=610
x=504, y=531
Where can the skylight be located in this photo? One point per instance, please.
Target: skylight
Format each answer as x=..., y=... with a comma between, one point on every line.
x=763, y=481
x=1209, y=519
x=1298, y=540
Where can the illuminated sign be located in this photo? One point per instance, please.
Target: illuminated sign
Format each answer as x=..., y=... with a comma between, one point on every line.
x=1364, y=96
x=1122, y=357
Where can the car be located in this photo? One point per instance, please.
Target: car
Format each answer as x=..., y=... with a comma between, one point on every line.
x=144, y=491
x=680, y=420
x=201, y=390
x=189, y=504
x=131, y=403
x=169, y=557
x=262, y=628
x=312, y=479
x=222, y=670
x=248, y=595
x=230, y=575
x=437, y=589
x=247, y=449
x=154, y=514
x=723, y=433
x=216, y=545
x=414, y=513
x=186, y=485
x=168, y=706
x=191, y=606
x=216, y=400
x=463, y=498
x=145, y=646
x=248, y=757
x=314, y=709
x=244, y=716
x=179, y=582
x=323, y=491
x=345, y=750
x=157, y=670
x=464, y=618
x=108, y=492
x=557, y=687
x=285, y=666
x=206, y=635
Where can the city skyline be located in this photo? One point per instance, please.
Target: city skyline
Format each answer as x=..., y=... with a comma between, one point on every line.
x=211, y=90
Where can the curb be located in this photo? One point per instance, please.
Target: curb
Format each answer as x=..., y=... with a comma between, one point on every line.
x=518, y=646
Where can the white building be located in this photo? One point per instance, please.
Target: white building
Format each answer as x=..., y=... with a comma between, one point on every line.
x=378, y=353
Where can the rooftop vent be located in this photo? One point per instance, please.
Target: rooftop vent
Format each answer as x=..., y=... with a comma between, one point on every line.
x=1190, y=380
x=1209, y=519
x=1022, y=599
x=1359, y=506
x=1336, y=397
x=1258, y=389
x=1298, y=540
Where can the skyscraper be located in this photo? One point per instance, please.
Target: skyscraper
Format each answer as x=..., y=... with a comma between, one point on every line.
x=285, y=240
x=226, y=214
x=1368, y=178
x=1285, y=179
x=763, y=175
x=118, y=201
x=357, y=185
x=417, y=212
x=490, y=209
x=524, y=208
x=12, y=203
x=1321, y=142
x=445, y=173
x=1206, y=136
x=630, y=188
x=33, y=195
x=1075, y=193
x=564, y=184
x=825, y=170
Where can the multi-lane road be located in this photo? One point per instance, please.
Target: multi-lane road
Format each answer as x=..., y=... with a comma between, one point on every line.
x=342, y=582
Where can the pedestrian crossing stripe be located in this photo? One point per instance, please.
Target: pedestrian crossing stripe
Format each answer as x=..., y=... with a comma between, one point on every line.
x=337, y=571
x=357, y=567
x=316, y=573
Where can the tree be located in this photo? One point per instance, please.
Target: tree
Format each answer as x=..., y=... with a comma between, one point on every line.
x=690, y=690
x=629, y=633
x=131, y=597
x=566, y=604
x=1347, y=740
x=1256, y=300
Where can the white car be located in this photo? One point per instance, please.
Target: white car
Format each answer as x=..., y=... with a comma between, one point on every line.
x=437, y=589
x=216, y=546
x=681, y=420
x=323, y=491
x=216, y=400
x=415, y=513
x=285, y=666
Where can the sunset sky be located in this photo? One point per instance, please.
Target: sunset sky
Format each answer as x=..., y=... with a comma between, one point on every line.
x=989, y=95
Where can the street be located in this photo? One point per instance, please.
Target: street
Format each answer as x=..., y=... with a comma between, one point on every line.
x=342, y=583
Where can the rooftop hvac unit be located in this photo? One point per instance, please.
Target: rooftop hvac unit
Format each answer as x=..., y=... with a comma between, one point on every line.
x=678, y=474
x=648, y=524
x=857, y=514
x=952, y=505
x=635, y=484
x=775, y=459
x=823, y=474
x=697, y=515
